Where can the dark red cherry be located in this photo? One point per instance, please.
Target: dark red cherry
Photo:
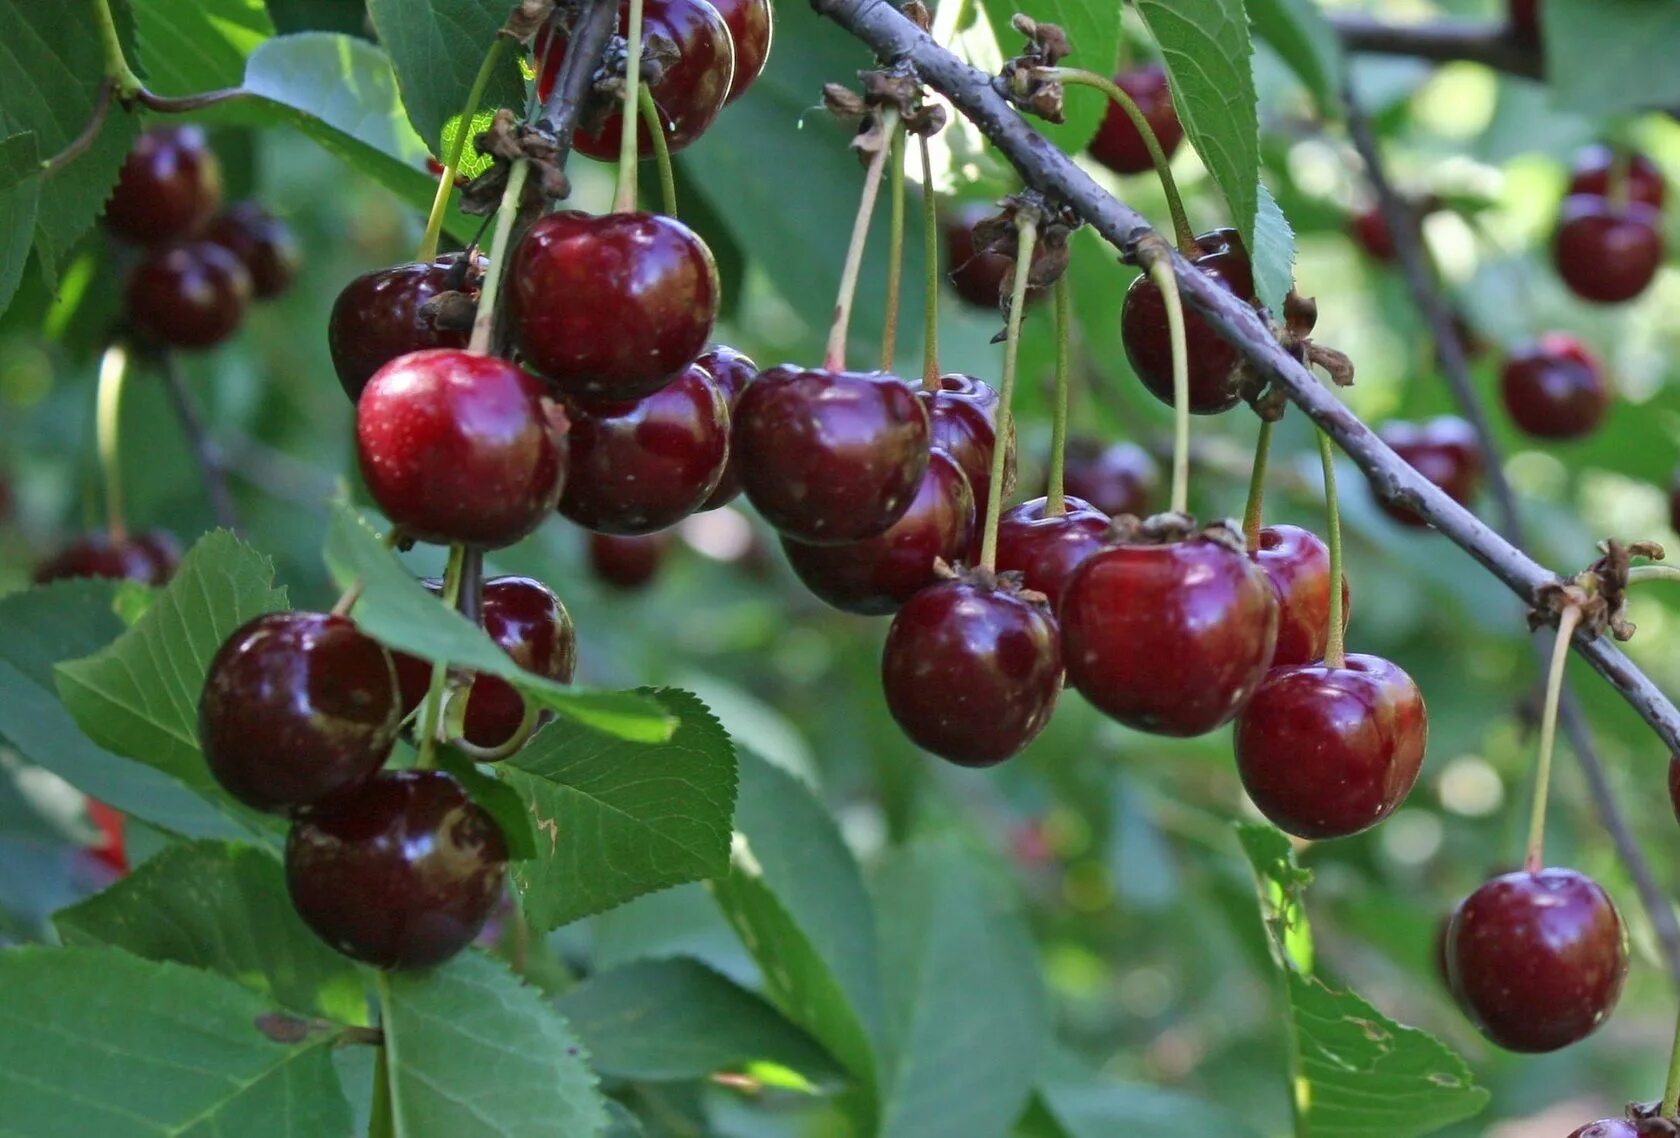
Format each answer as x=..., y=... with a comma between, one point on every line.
x=262, y=242
x=982, y=278
x=731, y=371
x=298, y=707
x=1444, y=450
x=971, y=671
x=1045, y=549
x=1594, y=172
x=1298, y=565
x=1525, y=20
x=1370, y=229
x=459, y=447
x=1328, y=752
x=1607, y=1128
x=875, y=576
x=1118, y=143
x=164, y=551
x=1537, y=960
x=627, y=562
x=830, y=457
x=644, y=465
x=751, y=28
x=148, y=558
x=1115, y=478
x=962, y=421
x=1674, y=785
x=1212, y=361
x=1674, y=501
x=1607, y=252
x=1554, y=388
x=378, y=317
x=402, y=873
x=1171, y=639
x=188, y=296
x=611, y=307
x=170, y=185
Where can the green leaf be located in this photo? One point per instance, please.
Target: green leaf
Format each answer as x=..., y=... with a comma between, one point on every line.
x=621, y=1123
x=1299, y=32
x=188, y=48
x=436, y=49
x=1093, y=28
x=966, y=1015
x=615, y=818
x=20, y=194
x=1102, y=1108
x=1274, y=253
x=397, y=610
x=139, y=696
x=1356, y=1072
x=100, y=1042
x=1604, y=57
x=796, y=900
x=222, y=908
x=474, y=1053
x=501, y=800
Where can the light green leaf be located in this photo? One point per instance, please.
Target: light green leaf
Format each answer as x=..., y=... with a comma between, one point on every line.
x=1299, y=32
x=615, y=818
x=188, y=48
x=1093, y=28
x=436, y=49
x=1103, y=1108
x=1274, y=253
x=20, y=194
x=1605, y=57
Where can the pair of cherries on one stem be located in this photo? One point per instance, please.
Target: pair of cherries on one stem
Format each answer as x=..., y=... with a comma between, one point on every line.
x=1609, y=243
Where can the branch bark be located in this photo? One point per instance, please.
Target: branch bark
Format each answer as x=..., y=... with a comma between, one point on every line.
x=1490, y=44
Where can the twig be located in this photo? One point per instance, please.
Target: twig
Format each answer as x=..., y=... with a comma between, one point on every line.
x=205, y=452
x=1490, y=44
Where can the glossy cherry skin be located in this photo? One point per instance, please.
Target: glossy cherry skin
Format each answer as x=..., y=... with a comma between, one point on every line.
x=169, y=187
x=1118, y=144
x=611, y=307
x=875, y=576
x=751, y=28
x=962, y=421
x=1115, y=478
x=830, y=457
x=1328, y=752
x=731, y=371
x=1444, y=450
x=1298, y=565
x=1212, y=361
x=188, y=296
x=1046, y=549
x=1594, y=169
x=983, y=279
x=401, y=873
x=459, y=447
x=262, y=242
x=377, y=318
x=971, y=673
x=1554, y=388
x=1537, y=960
x=1525, y=20
x=1170, y=639
x=627, y=563
x=149, y=559
x=1605, y=252
x=298, y=707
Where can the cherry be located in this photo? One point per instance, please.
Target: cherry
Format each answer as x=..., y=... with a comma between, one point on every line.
x=1115, y=478
x=1370, y=229
x=611, y=307
x=1674, y=785
x=1594, y=171
x=646, y=464
x=188, y=296
x=298, y=707
x=1537, y=960
x=1212, y=361
x=262, y=242
x=1554, y=388
x=751, y=27
x=1327, y=752
x=1607, y=252
x=1118, y=144
x=972, y=670
x=149, y=559
x=830, y=457
x=1607, y=1128
x=401, y=873
x=982, y=278
x=1045, y=549
x=1298, y=565
x=1525, y=20
x=875, y=576
x=1674, y=501
x=169, y=187
x=731, y=371
x=962, y=422
x=112, y=850
x=459, y=447
x=378, y=317
x=627, y=562
x=1444, y=450
x=1171, y=639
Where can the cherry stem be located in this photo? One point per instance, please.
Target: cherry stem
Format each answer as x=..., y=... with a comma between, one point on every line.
x=1619, y=183
x=113, y=374
x=1335, y=651
x=484, y=320
x=1671, y=1090
x=1055, y=496
x=1640, y=574
x=96, y=122
x=1161, y=272
x=625, y=200
x=834, y=358
x=1163, y=168
x=930, y=248
x=1253, y=511
x=457, y=148
x=1570, y=617
x=895, y=251
x=1026, y=228
x=661, y=151
x=212, y=467
x=116, y=63
x=432, y=711
x=521, y=735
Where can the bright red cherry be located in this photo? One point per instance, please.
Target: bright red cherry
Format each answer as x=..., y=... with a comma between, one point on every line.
x=262, y=242
x=1607, y=252
x=402, y=873
x=169, y=187
x=1118, y=143
x=1212, y=361
x=1115, y=478
x=875, y=576
x=1298, y=565
x=1444, y=450
x=1171, y=639
x=459, y=447
x=1595, y=170
x=751, y=28
x=149, y=558
x=188, y=296
x=297, y=707
x=378, y=317
x=982, y=278
x=1554, y=388
x=644, y=465
x=1046, y=548
x=1327, y=752
x=611, y=307
x=830, y=457
x=731, y=371
x=1525, y=20
x=972, y=671
x=627, y=563
x=962, y=421
x=1537, y=960
x=112, y=848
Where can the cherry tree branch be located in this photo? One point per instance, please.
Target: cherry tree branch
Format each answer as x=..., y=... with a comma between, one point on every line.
x=1489, y=44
